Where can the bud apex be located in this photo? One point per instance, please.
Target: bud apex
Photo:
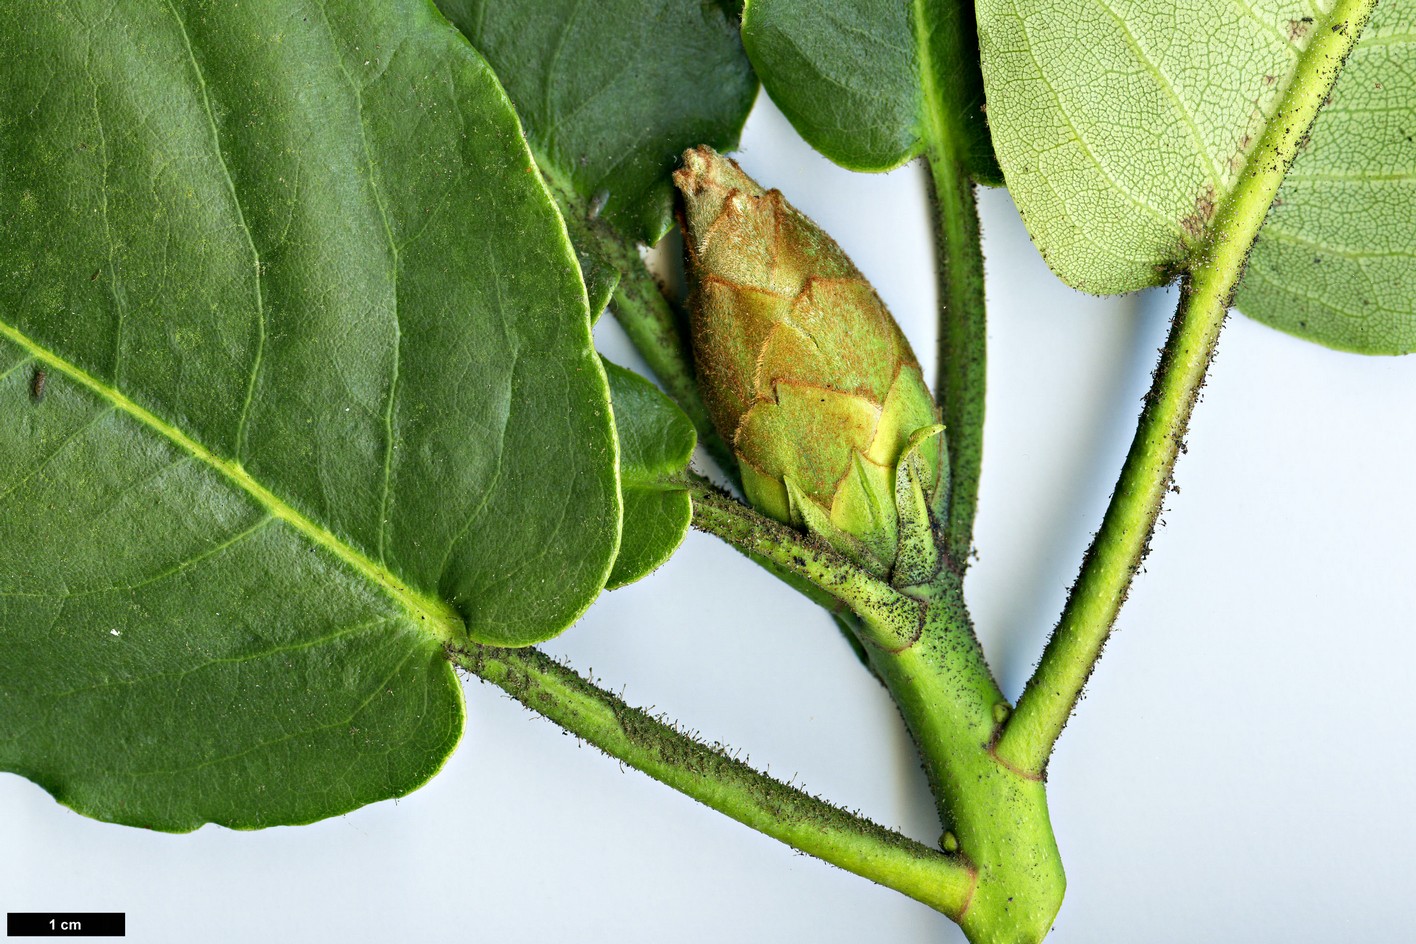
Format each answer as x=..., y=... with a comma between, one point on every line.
x=807, y=376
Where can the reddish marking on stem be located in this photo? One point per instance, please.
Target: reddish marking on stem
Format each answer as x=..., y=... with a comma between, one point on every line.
x=969, y=897
x=1025, y=774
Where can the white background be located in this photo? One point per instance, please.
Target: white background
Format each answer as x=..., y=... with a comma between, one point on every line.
x=1241, y=769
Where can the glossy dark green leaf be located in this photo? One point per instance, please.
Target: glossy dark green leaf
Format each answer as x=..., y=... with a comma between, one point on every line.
x=656, y=444
x=873, y=83
x=1336, y=259
x=318, y=397
x=611, y=93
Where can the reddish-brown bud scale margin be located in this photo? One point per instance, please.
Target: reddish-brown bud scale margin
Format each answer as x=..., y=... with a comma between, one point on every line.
x=807, y=377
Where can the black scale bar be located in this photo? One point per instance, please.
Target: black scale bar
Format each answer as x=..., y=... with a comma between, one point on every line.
x=66, y=924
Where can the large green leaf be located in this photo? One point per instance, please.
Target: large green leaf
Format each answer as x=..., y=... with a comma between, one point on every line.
x=1336, y=260
x=873, y=83
x=656, y=444
x=297, y=388
x=1122, y=124
x=611, y=93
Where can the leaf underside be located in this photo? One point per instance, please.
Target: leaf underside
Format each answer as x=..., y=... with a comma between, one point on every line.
x=1121, y=124
x=1336, y=259
x=857, y=78
x=296, y=385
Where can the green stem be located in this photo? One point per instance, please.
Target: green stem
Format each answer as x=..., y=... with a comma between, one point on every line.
x=998, y=817
x=947, y=43
x=1120, y=545
x=922, y=646
x=840, y=612
x=961, y=377
x=808, y=565
x=712, y=777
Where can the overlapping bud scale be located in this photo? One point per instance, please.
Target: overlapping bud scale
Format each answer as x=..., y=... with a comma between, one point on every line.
x=805, y=373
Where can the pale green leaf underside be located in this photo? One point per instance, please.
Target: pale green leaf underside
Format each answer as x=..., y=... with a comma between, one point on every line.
x=319, y=395
x=611, y=93
x=858, y=78
x=1121, y=124
x=1336, y=260
x=656, y=444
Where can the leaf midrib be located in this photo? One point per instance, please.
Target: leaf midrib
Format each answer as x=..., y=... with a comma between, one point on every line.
x=1241, y=212
x=431, y=614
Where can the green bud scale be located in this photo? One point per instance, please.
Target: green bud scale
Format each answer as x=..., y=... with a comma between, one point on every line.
x=807, y=376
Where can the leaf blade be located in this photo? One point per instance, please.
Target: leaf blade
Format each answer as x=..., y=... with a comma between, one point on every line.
x=612, y=93
x=325, y=313
x=154, y=693
x=1335, y=262
x=1118, y=190
x=872, y=83
x=656, y=445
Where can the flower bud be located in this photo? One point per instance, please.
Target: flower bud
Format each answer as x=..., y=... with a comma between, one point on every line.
x=805, y=373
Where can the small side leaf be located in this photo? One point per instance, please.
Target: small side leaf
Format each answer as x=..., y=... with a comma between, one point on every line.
x=1336, y=260
x=656, y=444
x=873, y=83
